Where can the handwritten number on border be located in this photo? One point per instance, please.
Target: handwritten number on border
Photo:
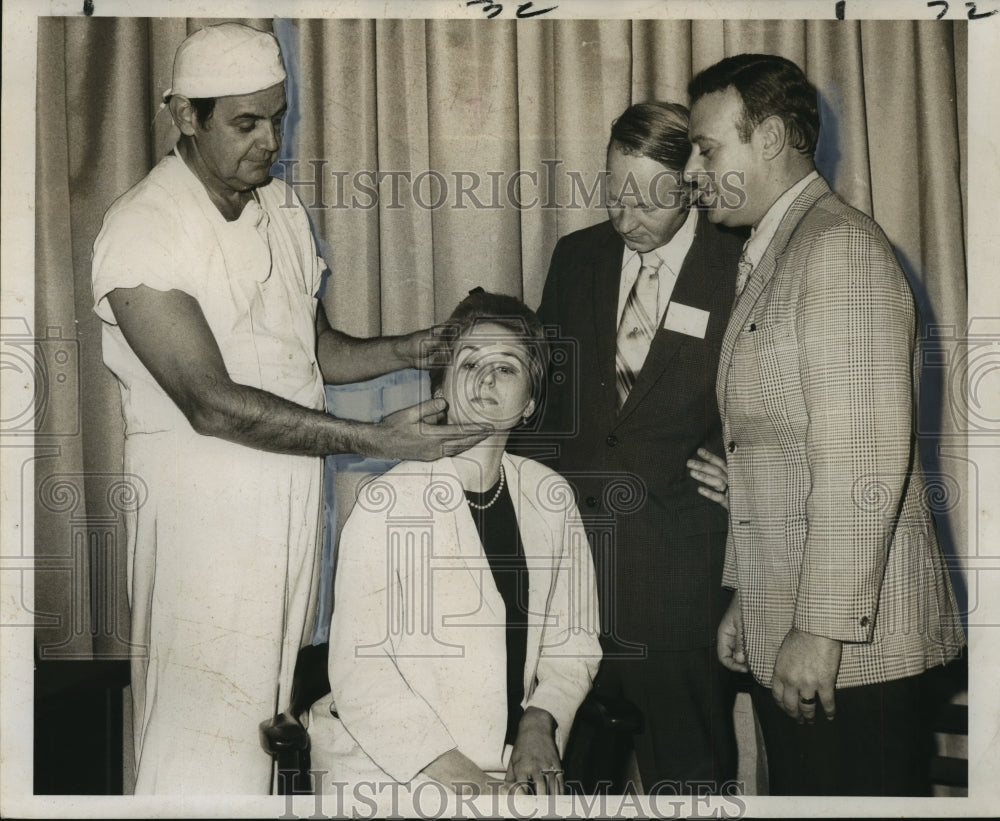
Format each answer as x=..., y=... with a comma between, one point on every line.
x=944, y=3
x=524, y=10
x=972, y=13
x=491, y=10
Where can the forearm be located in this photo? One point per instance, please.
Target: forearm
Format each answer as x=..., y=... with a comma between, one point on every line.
x=537, y=719
x=258, y=419
x=570, y=652
x=171, y=337
x=217, y=406
x=344, y=359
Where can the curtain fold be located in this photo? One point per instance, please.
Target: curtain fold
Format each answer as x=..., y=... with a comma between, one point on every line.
x=332, y=137
x=592, y=67
x=62, y=578
x=473, y=119
x=536, y=139
x=662, y=58
x=390, y=116
x=842, y=153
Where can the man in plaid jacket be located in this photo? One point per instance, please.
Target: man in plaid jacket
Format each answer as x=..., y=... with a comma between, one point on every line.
x=843, y=598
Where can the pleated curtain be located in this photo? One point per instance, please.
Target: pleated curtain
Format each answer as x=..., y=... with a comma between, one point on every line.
x=432, y=107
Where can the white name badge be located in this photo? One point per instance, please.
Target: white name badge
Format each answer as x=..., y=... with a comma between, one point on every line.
x=686, y=320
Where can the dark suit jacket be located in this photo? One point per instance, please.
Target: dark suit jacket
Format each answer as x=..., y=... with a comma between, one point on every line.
x=658, y=544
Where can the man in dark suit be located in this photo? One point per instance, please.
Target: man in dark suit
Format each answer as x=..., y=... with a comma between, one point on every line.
x=642, y=303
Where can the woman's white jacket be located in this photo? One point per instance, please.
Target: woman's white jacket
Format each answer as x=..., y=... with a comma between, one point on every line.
x=418, y=635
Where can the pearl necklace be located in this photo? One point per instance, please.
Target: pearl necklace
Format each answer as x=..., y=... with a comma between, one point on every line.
x=496, y=495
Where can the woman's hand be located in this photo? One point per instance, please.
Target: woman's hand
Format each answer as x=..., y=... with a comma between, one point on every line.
x=535, y=759
x=713, y=476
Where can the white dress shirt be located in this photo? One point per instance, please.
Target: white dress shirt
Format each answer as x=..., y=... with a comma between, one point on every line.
x=672, y=254
x=763, y=233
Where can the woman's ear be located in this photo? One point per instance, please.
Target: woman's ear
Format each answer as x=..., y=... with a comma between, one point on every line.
x=528, y=410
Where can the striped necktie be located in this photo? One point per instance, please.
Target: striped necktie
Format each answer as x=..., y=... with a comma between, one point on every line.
x=637, y=326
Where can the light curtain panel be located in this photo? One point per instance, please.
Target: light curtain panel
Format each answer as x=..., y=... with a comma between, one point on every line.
x=438, y=155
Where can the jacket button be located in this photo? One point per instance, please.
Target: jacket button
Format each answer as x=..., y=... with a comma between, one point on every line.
x=731, y=447
x=591, y=501
x=612, y=440
x=753, y=326
x=865, y=621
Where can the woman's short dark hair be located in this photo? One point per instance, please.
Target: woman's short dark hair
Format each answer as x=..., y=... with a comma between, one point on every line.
x=508, y=312
x=655, y=130
x=770, y=86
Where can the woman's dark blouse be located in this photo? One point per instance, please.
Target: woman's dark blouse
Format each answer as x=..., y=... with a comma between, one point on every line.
x=501, y=540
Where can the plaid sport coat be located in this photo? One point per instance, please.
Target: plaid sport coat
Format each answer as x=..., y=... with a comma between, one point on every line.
x=830, y=531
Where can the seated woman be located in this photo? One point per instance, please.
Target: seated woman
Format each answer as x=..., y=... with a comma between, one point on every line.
x=464, y=632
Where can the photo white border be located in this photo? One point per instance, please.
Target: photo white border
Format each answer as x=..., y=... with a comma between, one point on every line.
x=17, y=116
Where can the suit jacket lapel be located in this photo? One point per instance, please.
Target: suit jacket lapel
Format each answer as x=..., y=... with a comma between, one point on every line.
x=605, y=273
x=695, y=287
x=538, y=552
x=459, y=544
x=760, y=278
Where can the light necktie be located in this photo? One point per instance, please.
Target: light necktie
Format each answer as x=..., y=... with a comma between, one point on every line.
x=638, y=325
x=744, y=268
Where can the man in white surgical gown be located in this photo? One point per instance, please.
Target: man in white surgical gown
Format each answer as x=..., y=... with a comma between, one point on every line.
x=206, y=278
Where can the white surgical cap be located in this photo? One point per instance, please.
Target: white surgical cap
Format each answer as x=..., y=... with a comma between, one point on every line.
x=226, y=60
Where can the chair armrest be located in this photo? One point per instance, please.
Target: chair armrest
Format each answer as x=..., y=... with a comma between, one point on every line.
x=283, y=733
x=613, y=713
x=310, y=681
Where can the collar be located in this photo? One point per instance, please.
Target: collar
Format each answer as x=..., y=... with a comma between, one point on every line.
x=672, y=254
x=253, y=207
x=761, y=236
